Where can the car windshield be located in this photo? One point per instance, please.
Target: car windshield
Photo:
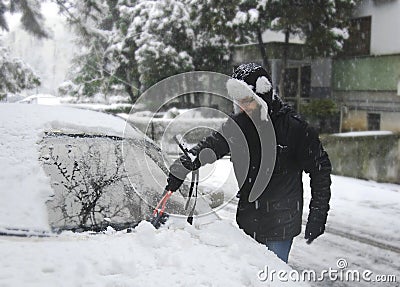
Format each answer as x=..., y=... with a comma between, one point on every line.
x=101, y=181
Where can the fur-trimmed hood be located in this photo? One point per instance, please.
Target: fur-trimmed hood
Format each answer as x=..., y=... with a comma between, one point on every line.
x=253, y=81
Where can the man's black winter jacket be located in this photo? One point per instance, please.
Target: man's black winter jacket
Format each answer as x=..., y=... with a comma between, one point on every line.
x=277, y=213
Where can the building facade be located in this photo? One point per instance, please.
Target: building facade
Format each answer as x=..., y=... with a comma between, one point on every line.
x=366, y=76
x=363, y=80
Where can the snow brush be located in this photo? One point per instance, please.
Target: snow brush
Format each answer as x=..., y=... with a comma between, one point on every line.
x=195, y=179
x=159, y=215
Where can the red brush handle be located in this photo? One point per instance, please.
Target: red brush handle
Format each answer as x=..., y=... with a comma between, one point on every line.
x=162, y=203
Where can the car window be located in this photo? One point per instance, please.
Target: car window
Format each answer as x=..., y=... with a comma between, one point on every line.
x=101, y=181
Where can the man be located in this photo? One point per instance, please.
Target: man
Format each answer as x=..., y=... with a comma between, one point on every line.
x=275, y=217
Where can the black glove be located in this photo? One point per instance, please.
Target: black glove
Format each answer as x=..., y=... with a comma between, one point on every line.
x=313, y=230
x=178, y=171
x=173, y=183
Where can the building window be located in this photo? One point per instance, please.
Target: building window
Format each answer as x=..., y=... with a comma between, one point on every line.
x=297, y=79
x=359, y=41
x=305, y=81
x=290, y=82
x=374, y=122
x=296, y=85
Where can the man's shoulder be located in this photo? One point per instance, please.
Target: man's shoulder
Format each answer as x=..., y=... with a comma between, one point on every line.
x=294, y=119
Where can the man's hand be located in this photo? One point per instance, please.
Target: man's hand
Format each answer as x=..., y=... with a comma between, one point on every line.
x=313, y=230
x=173, y=183
x=179, y=169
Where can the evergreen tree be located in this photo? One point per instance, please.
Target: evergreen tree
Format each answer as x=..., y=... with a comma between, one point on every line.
x=122, y=53
x=325, y=25
x=15, y=74
x=322, y=24
x=137, y=43
x=252, y=18
x=214, y=34
x=163, y=36
x=106, y=63
x=93, y=71
x=32, y=19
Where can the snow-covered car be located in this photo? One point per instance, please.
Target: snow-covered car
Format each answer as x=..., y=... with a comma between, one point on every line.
x=83, y=171
x=55, y=161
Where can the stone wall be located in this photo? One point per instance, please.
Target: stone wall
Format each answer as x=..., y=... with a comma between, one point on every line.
x=372, y=157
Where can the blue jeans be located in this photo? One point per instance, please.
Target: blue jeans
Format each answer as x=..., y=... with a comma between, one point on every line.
x=281, y=248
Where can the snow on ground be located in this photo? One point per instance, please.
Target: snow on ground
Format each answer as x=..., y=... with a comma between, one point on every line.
x=214, y=254
x=364, y=208
x=364, y=133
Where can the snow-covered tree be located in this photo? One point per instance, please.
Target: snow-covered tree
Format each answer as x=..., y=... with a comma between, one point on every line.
x=15, y=74
x=252, y=18
x=163, y=36
x=32, y=19
x=322, y=24
x=140, y=42
x=214, y=34
x=92, y=72
x=106, y=63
